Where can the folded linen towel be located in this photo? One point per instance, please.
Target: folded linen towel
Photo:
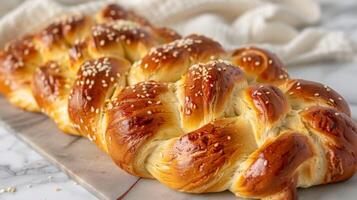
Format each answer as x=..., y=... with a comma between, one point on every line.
x=284, y=26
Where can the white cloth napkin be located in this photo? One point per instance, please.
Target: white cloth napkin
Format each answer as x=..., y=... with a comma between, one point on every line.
x=284, y=26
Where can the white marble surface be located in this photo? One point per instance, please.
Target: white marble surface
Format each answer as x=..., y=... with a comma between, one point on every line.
x=31, y=175
x=35, y=178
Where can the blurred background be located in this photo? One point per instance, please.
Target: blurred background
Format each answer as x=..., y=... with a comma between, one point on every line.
x=300, y=31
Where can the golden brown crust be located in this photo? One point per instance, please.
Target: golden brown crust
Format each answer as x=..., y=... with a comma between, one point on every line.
x=121, y=39
x=206, y=90
x=50, y=88
x=65, y=31
x=338, y=133
x=166, y=35
x=77, y=54
x=175, y=58
x=273, y=166
x=315, y=93
x=177, y=110
x=17, y=61
x=198, y=156
x=52, y=35
x=114, y=12
x=48, y=84
x=137, y=116
x=4, y=82
x=95, y=82
x=22, y=49
x=12, y=71
x=202, y=160
x=260, y=65
x=269, y=102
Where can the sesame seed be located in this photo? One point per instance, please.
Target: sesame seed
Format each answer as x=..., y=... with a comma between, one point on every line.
x=110, y=106
x=112, y=12
x=7, y=82
x=11, y=189
x=316, y=94
x=188, y=112
x=332, y=100
x=55, y=31
x=149, y=112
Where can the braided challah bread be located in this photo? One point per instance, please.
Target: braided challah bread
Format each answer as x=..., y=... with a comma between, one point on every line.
x=182, y=110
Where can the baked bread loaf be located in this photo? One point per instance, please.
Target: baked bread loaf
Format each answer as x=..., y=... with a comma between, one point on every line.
x=182, y=110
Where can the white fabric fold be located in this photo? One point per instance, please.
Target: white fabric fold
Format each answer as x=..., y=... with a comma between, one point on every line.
x=284, y=26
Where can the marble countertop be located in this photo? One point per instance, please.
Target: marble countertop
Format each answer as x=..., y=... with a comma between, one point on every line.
x=24, y=174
